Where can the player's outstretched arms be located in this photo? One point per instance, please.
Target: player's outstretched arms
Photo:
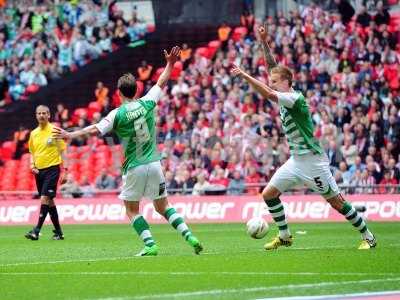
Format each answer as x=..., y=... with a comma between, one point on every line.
x=268, y=56
x=60, y=133
x=259, y=86
x=171, y=59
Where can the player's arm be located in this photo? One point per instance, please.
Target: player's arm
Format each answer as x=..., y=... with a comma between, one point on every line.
x=60, y=133
x=268, y=56
x=287, y=99
x=34, y=170
x=259, y=86
x=103, y=127
x=171, y=58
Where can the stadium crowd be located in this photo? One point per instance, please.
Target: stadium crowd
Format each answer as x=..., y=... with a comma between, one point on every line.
x=39, y=42
x=216, y=133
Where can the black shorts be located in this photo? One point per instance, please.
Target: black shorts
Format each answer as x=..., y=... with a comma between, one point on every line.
x=46, y=181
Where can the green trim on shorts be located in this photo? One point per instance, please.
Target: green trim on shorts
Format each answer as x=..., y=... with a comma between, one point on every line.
x=330, y=193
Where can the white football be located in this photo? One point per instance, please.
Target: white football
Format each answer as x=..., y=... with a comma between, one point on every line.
x=257, y=228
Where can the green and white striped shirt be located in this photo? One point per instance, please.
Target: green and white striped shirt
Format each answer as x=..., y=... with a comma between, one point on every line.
x=297, y=124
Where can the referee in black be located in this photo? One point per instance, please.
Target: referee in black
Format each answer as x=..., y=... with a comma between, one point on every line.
x=46, y=162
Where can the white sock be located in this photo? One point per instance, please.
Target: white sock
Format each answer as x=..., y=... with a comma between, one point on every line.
x=367, y=235
x=284, y=234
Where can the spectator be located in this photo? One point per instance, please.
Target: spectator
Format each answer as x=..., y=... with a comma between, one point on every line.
x=219, y=179
x=101, y=93
x=170, y=182
x=70, y=189
x=201, y=185
x=385, y=184
x=186, y=53
x=87, y=189
x=334, y=155
x=349, y=150
x=345, y=10
x=247, y=20
x=363, y=18
x=144, y=71
x=223, y=34
x=382, y=15
x=253, y=178
x=346, y=174
x=105, y=181
x=21, y=137
x=236, y=184
x=358, y=165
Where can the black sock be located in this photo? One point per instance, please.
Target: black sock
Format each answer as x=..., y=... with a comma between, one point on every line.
x=44, y=209
x=54, y=218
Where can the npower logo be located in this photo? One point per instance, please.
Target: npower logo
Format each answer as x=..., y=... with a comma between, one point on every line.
x=200, y=209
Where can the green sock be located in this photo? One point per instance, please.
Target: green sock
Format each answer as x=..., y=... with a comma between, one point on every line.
x=277, y=212
x=143, y=230
x=177, y=222
x=356, y=220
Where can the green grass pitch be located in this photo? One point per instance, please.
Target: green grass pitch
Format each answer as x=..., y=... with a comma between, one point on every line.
x=96, y=262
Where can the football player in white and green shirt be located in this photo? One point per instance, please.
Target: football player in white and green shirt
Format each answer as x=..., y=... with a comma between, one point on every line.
x=308, y=164
x=135, y=124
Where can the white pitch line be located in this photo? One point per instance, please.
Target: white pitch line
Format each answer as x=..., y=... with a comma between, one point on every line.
x=201, y=273
x=248, y=290
x=336, y=296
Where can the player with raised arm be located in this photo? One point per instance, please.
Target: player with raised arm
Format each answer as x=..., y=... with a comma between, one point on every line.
x=135, y=124
x=308, y=164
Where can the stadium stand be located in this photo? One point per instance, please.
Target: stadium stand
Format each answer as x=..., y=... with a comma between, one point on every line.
x=211, y=125
x=40, y=43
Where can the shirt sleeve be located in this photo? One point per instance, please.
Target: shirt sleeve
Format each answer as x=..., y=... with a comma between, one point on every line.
x=61, y=145
x=287, y=99
x=107, y=123
x=153, y=95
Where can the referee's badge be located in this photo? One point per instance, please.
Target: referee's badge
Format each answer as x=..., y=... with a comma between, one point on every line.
x=49, y=141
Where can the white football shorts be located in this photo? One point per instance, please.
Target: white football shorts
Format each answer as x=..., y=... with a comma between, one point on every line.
x=145, y=181
x=311, y=170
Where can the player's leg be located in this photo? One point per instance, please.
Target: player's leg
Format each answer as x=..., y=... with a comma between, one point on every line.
x=49, y=189
x=142, y=228
x=44, y=208
x=316, y=174
x=282, y=180
x=176, y=220
x=156, y=191
x=133, y=184
x=58, y=233
x=350, y=213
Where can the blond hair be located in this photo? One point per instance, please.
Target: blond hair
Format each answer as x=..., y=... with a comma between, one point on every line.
x=284, y=72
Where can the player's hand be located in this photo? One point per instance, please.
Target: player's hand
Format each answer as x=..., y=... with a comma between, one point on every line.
x=60, y=133
x=173, y=56
x=34, y=170
x=262, y=31
x=236, y=71
x=63, y=178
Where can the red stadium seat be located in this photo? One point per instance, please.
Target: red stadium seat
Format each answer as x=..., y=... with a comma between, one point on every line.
x=213, y=47
x=176, y=71
x=95, y=106
x=33, y=88
x=238, y=33
x=203, y=51
x=157, y=74
x=151, y=28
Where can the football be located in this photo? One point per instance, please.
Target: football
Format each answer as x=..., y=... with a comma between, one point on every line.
x=257, y=228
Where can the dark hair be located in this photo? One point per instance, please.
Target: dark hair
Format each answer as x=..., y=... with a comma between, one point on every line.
x=127, y=85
